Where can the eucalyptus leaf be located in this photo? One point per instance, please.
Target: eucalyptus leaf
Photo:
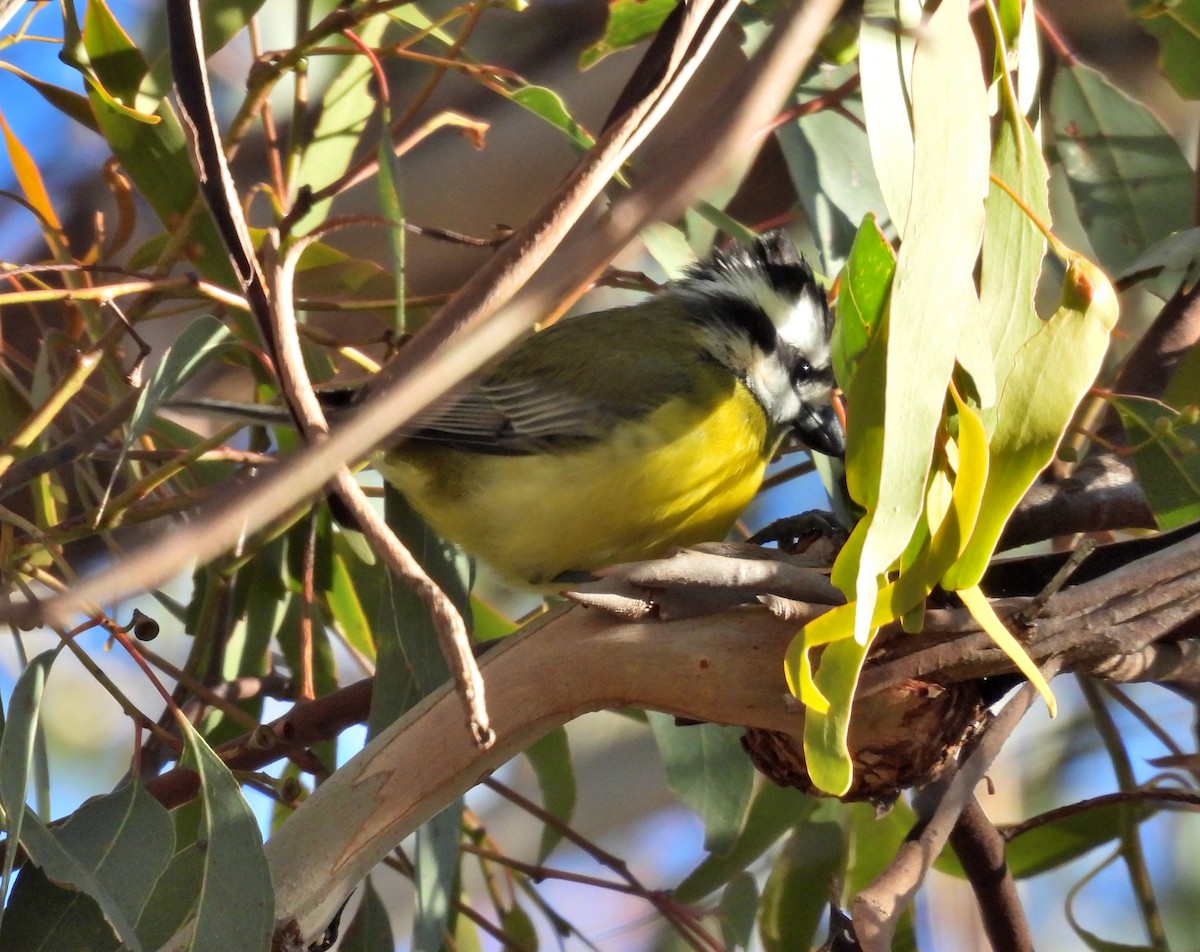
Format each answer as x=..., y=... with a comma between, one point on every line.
x=709, y=772
x=933, y=281
x=1131, y=183
x=1167, y=457
x=796, y=893
x=235, y=902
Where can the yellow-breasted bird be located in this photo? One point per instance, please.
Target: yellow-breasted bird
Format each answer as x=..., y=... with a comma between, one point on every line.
x=616, y=434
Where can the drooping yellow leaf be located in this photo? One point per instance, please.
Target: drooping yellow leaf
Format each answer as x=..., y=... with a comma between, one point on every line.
x=981, y=610
x=1050, y=375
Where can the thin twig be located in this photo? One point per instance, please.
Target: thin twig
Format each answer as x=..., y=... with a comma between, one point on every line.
x=1131, y=840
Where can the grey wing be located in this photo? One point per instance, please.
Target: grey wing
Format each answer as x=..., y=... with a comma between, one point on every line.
x=516, y=417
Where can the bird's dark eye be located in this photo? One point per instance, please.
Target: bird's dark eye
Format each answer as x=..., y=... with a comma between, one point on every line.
x=801, y=371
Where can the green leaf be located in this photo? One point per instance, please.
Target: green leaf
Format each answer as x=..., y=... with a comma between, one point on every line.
x=1167, y=458
x=548, y=105
x=344, y=599
x=934, y=281
x=829, y=163
x=550, y=758
x=70, y=103
x=346, y=107
x=409, y=660
x=174, y=898
x=1131, y=184
x=1183, y=390
x=155, y=156
x=1176, y=26
x=826, y=731
x=773, y=811
x=1177, y=255
x=709, y=771
x=629, y=22
x=1013, y=246
x=738, y=910
x=220, y=22
x=1050, y=375
x=1052, y=845
x=61, y=865
x=235, y=907
x=198, y=341
x=862, y=298
x=390, y=187
x=435, y=875
x=371, y=928
x=16, y=755
x=796, y=893
x=873, y=841
x=885, y=58
x=518, y=928
x=121, y=843
x=41, y=914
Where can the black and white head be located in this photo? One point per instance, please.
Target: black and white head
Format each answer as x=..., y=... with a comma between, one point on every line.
x=766, y=318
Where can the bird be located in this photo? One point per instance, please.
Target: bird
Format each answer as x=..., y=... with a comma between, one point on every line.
x=620, y=434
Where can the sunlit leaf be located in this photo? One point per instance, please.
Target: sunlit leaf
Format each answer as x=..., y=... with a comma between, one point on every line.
x=828, y=693
x=982, y=611
x=114, y=67
x=933, y=282
x=629, y=22
x=1013, y=246
x=155, y=156
x=29, y=178
x=886, y=44
x=862, y=298
x=548, y=105
x=346, y=107
x=825, y=751
x=1050, y=375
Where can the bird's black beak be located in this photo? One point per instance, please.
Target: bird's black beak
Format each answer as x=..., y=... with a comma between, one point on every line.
x=821, y=430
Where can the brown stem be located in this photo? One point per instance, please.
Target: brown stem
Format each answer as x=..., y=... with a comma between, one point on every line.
x=980, y=849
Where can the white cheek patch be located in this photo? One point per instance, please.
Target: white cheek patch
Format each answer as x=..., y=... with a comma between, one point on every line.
x=771, y=385
x=802, y=324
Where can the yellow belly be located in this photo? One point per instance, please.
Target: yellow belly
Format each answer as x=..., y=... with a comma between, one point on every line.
x=677, y=477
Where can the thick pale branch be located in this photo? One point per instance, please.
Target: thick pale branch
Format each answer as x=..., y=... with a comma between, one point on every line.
x=725, y=668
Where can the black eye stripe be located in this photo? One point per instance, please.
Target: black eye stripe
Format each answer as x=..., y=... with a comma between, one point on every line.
x=738, y=313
